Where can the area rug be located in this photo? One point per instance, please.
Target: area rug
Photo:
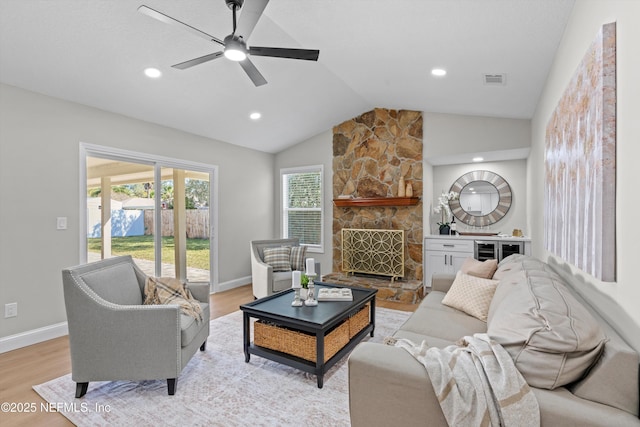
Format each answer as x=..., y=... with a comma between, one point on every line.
x=217, y=388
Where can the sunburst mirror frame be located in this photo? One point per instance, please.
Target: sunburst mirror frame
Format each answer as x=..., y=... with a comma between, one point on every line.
x=504, y=198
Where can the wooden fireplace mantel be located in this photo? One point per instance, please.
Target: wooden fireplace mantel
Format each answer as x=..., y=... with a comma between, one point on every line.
x=362, y=202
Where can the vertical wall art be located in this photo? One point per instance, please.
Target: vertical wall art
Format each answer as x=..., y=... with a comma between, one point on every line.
x=580, y=164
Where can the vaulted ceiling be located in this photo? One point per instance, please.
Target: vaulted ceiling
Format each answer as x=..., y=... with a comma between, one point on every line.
x=373, y=53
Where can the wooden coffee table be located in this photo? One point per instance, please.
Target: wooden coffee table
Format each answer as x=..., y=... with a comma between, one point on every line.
x=323, y=325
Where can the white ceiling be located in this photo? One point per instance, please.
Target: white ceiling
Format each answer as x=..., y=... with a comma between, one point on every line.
x=373, y=53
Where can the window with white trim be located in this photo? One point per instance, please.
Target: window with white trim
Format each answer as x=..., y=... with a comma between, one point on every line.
x=302, y=214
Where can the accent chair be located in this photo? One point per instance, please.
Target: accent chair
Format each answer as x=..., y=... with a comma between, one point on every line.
x=113, y=336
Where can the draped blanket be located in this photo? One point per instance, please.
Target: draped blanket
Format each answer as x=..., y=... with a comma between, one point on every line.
x=477, y=383
x=167, y=290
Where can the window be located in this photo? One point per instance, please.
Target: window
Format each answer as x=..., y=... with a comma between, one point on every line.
x=302, y=205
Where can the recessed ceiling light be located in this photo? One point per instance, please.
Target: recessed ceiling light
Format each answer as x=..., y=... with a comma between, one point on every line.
x=154, y=73
x=439, y=72
x=478, y=159
x=255, y=116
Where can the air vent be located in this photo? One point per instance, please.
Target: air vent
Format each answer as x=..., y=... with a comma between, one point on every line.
x=494, y=79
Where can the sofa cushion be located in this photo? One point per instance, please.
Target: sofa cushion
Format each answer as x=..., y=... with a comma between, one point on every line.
x=484, y=269
x=117, y=284
x=551, y=337
x=434, y=319
x=471, y=294
x=298, y=255
x=279, y=258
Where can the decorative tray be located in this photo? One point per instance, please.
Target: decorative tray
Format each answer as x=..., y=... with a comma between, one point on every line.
x=476, y=233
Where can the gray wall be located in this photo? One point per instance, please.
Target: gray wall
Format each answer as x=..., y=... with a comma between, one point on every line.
x=317, y=150
x=39, y=181
x=583, y=26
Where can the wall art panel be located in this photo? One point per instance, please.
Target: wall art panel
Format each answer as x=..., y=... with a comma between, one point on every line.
x=580, y=164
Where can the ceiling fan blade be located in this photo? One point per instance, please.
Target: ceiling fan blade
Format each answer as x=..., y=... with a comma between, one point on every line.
x=249, y=14
x=279, y=52
x=252, y=72
x=169, y=20
x=196, y=61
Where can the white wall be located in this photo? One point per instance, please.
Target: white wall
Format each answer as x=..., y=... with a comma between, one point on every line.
x=39, y=181
x=513, y=171
x=317, y=150
x=585, y=22
x=452, y=134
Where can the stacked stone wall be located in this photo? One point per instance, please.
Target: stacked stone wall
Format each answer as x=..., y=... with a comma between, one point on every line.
x=371, y=153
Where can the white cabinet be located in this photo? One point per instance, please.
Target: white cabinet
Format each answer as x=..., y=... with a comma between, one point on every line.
x=445, y=256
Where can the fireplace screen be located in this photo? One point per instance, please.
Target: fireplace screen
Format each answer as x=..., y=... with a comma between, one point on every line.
x=373, y=252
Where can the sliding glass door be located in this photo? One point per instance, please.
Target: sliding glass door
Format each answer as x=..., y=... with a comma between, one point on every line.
x=157, y=210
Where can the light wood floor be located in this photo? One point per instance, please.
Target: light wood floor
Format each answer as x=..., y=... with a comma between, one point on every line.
x=20, y=369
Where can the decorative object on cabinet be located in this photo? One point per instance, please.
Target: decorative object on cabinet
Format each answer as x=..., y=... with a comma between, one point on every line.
x=485, y=198
x=443, y=208
x=580, y=164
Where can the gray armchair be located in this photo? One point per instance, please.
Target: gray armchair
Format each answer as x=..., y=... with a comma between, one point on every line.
x=264, y=280
x=112, y=336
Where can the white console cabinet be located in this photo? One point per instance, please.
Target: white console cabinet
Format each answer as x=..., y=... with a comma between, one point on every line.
x=445, y=254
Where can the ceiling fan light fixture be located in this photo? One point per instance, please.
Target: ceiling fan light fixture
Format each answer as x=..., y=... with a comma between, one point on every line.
x=235, y=49
x=235, y=55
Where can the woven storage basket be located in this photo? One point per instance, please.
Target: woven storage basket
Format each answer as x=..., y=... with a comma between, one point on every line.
x=297, y=343
x=358, y=321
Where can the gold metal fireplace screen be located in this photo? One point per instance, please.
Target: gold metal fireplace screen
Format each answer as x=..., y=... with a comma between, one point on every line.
x=373, y=252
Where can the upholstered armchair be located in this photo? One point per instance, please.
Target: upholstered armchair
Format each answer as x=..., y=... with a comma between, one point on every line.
x=267, y=280
x=113, y=336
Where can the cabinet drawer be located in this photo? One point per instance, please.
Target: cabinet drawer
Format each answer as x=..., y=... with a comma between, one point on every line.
x=449, y=245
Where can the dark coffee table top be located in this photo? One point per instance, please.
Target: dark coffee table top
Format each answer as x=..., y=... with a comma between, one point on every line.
x=278, y=307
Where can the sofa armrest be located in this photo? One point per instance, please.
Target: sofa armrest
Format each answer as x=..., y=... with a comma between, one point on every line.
x=388, y=386
x=442, y=282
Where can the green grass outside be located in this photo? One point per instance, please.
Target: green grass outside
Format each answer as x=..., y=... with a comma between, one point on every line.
x=141, y=247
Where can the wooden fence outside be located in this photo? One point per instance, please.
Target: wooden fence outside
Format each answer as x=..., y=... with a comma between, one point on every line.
x=197, y=223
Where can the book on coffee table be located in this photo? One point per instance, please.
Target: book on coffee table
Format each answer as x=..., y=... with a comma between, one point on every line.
x=335, y=294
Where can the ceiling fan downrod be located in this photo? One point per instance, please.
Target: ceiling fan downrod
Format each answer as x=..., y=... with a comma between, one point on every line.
x=234, y=5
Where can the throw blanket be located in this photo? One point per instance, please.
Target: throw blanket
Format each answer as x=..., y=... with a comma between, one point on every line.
x=477, y=383
x=167, y=290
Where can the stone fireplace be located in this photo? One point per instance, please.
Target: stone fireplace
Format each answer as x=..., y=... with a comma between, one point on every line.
x=372, y=154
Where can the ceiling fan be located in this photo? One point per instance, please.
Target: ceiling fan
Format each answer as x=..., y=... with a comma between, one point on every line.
x=235, y=44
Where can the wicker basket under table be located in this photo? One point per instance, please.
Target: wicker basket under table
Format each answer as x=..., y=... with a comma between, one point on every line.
x=303, y=345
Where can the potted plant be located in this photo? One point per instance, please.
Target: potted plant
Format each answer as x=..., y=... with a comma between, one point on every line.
x=445, y=211
x=304, y=282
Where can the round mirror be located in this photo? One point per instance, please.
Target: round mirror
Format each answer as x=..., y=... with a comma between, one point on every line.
x=479, y=198
x=485, y=198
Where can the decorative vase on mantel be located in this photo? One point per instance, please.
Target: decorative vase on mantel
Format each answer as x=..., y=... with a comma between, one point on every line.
x=401, y=188
x=445, y=229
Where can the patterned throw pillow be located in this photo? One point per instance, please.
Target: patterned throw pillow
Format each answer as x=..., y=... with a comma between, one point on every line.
x=484, y=269
x=298, y=254
x=278, y=258
x=471, y=294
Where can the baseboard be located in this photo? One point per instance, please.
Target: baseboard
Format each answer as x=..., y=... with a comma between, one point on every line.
x=232, y=284
x=34, y=336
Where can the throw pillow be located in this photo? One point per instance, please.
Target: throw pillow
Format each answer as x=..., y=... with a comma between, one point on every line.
x=298, y=255
x=471, y=294
x=278, y=258
x=484, y=269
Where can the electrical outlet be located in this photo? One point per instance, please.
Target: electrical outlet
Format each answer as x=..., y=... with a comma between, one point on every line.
x=10, y=310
